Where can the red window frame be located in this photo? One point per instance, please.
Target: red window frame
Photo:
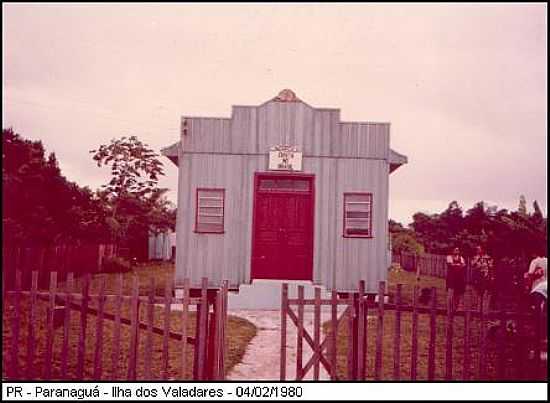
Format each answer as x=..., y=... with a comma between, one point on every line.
x=344, y=233
x=197, y=230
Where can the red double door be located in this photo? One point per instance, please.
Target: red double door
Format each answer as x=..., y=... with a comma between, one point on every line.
x=282, y=246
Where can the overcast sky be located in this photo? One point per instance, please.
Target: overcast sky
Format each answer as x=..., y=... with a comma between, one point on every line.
x=464, y=86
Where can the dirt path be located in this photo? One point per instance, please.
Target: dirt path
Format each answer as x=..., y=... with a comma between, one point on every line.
x=262, y=357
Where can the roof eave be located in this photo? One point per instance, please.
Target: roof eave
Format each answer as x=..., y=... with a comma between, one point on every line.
x=396, y=160
x=172, y=152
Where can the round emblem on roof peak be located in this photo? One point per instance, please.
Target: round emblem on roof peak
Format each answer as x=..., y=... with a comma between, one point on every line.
x=286, y=95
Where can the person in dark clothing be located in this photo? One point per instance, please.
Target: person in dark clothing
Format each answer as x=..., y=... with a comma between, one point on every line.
x=456, y=279
x=483, y=276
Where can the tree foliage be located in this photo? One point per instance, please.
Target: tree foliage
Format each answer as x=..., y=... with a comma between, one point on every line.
x=505, y=234
x=135, y=204
x=135, y=167
x=404, y=239
x=39, y=205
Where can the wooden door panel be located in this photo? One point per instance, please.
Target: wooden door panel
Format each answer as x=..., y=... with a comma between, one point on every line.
x=283, y=229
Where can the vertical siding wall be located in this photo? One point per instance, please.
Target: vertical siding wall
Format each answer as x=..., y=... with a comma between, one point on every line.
x=225, y=153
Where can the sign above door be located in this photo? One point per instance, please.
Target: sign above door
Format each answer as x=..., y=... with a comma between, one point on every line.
x=285, y=158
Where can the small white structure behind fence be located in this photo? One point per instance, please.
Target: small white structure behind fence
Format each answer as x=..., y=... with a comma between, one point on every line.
x=160, y=245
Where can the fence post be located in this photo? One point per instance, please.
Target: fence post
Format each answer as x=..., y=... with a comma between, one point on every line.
x=333, y=334
x=15, y=326
x=222, y=322
x=100, y=252
x=211, y=342
x=351, y=336
x=132, y=364
x=431, y=347
x=202, y=330
x=166, y=329
x=467, y=314
x=284, y=306
x=397, y=334
x=83, y=326
x=115, y=354
x=98, y=354
x=317, y=332
x=379, y=332
x=300, y=335
x=69, y=288
x=32, y=322
x=185, y=319
x=538, y=337
x=361, y=336
x=50, y=326
x=449, y=342
x=148, y=356
x=218, y=331
x=482, y=342
x=414, y=332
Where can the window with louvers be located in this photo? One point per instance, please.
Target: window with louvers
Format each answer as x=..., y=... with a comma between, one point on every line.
x=358, y=215
x=210, y=211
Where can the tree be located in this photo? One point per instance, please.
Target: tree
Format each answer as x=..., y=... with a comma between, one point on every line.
x=403, y=239
x=40, y=206
x=507, y=235
x=129, y=159
x=134, y=203
x=406, y=242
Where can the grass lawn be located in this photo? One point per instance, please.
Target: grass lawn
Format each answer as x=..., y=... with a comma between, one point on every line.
x=409, y=280
x=239, y=333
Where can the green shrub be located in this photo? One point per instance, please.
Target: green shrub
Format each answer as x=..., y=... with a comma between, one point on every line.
x=115, y=265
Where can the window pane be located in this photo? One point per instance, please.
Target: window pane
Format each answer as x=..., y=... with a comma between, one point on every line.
x=351, y=223
x=301, y=185
x=210, y=210
x=207, y=227
x=358, y=198
x=357, y=214
x=284, y=185
x=210, y=202
x=358, y=231
x=266, y=184
x=358, y=207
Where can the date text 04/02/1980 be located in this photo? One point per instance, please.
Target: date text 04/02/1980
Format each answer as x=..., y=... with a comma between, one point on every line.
x=268, y=391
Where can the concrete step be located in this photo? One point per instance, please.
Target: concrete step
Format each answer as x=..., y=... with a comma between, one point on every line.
x=266, y=294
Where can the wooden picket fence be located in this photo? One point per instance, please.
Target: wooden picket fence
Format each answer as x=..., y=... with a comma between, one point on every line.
x=88, y=258
x=424, y=264
x=427, y=264
x=421, y=340
x=51, y=335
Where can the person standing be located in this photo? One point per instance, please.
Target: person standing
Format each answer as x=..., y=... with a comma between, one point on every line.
x=537, y=284
x=536, y=281
x=536, y=273
x=483, y=275
x=456, y=279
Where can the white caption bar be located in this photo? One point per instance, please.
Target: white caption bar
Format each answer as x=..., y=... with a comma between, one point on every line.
x=273, y=391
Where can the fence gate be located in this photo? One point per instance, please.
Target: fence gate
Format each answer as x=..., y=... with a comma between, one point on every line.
x=323, y=350
x=407, y=332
